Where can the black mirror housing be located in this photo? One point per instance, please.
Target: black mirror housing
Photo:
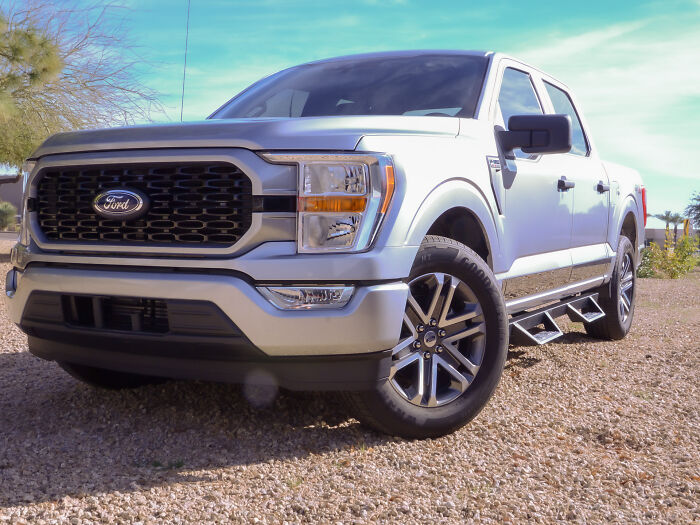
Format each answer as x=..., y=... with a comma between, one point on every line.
x=539, y=134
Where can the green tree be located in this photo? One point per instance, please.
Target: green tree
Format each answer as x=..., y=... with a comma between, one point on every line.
x=65, y=66
x=7, y=215
x=671, y=218
x=27, y=61
x=693, y=209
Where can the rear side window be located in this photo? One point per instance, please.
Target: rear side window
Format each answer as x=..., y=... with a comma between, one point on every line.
x=517, y=97
x=562, y=104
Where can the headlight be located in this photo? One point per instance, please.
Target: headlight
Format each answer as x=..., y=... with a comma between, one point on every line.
x=342, y=199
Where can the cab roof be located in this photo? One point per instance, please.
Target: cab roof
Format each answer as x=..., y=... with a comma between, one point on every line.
x=408, y=53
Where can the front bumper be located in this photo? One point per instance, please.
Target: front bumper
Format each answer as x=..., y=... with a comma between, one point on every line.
x=174, y=359
x=370, y=322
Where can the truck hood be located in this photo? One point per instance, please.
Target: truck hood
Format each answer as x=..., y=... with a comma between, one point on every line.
x=309, y=133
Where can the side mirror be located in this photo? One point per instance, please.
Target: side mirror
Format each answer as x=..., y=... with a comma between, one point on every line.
x=536, y=134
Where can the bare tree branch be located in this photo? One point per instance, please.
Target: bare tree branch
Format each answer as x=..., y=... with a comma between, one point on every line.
x=99, y=83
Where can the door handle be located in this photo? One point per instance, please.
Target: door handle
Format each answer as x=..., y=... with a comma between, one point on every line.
x=565, y=185
x=602, y=187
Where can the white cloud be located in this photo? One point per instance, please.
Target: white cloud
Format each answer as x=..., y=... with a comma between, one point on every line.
x=637, y=84
x=639, y=87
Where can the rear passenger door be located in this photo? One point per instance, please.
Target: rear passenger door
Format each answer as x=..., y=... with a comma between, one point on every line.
x=589, y=232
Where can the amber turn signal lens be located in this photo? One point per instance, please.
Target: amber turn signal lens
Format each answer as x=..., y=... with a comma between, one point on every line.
x=335, y=204
x=389, y=189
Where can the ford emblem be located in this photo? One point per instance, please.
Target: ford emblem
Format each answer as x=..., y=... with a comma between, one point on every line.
x=120, y=204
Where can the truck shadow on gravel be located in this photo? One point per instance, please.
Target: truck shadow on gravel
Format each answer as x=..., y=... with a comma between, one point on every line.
x=61, y=438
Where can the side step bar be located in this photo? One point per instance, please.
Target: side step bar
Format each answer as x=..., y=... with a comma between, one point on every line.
x=538, y=326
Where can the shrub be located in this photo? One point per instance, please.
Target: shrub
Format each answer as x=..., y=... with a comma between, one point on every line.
x=670, y=261
x=649, y=258
x=7, y=216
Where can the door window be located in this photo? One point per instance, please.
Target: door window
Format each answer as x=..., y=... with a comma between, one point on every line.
x=517, y=97
x=562, y=104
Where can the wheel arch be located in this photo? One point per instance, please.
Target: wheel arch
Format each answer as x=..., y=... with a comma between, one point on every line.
x=458, y=210
x=629, y=228
x=627, y=224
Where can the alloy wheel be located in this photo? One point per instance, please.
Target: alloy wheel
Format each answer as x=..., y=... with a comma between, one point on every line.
x=626, y=295
x=442, y=341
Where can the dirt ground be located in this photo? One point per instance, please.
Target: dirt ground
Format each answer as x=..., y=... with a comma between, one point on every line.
x=579, y=430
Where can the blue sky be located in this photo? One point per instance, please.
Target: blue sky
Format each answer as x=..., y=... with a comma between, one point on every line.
x=634, y=66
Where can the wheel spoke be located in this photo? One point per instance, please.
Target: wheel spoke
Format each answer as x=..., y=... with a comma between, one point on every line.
x=469, y=332
x=402, y=363
x=435, y=279
x=413, y=304
x=462, y=381
x=405, y=343
x=419, y=394
x=440, y=278
x=627, y=262
x=461, y=359
x=624, y=308
x=431, y=375
x=454, y=282
x=625, y=302
x=626, y=286
x=470, y=312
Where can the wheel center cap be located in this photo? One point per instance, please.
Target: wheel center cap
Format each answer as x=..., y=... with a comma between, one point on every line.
x=429, y=339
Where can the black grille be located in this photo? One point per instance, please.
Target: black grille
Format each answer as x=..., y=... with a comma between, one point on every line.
x=196, y=203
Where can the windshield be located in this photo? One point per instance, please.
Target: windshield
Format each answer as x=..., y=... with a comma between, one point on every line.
x=435, y=85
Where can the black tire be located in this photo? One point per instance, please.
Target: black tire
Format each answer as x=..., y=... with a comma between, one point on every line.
x=617, y=305
x=385, y=409
x=108, y=379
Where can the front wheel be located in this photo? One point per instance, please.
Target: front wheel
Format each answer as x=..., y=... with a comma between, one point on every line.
x=451, y=351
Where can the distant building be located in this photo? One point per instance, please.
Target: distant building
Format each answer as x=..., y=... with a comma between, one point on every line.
x=658, y=235
x=11, y=191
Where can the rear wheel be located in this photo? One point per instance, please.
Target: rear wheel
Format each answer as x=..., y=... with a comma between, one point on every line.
x=110, y=379
x=617, y=299
x=451, y=351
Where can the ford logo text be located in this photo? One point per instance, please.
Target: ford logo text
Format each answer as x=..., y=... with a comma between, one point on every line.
x=120, y=204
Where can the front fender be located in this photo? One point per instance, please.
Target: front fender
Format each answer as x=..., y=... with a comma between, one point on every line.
x=456, y=193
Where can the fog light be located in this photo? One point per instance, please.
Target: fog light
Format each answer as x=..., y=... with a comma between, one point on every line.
x=307, y=297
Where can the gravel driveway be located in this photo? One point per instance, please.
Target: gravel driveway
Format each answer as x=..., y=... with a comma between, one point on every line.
x=579, y=430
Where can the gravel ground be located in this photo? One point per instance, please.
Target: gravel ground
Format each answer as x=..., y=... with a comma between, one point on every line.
x=580, y=430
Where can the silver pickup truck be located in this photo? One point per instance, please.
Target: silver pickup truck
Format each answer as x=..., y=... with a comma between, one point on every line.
x=376, y=224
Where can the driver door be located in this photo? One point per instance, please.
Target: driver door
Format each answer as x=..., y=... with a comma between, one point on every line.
x=536, y=213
